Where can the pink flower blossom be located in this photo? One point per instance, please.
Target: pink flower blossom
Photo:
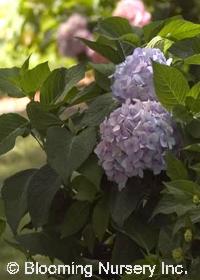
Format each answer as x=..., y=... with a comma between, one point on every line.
x=134, y=11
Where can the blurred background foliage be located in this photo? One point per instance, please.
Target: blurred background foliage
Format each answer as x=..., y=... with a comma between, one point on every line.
x=31, y=26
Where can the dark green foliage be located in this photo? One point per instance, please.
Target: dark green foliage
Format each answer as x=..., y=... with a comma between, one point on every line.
x=170, y=85
x=42, y=188
x=14, y=194
x=11, y=126
x=67, y=152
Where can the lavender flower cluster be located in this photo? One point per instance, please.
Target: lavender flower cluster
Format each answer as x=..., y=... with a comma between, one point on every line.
x=134, y=77
x=68, y=44
x=76, y=26
x=136, y=136
x=133, y=139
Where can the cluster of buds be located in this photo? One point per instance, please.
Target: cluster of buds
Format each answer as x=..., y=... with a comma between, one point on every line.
x=196, y=199
x=188, y=236
x=178, y=255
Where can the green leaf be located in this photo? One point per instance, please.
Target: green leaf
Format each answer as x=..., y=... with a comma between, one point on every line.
x=170, y=85
x=72, y=77
x=40, y=243
x=160, y=43
x=89, y=238
x=100, y=218
x=125, y=250
x=152, y=29
x=123, y=203
x=185, y=221
x=25, y=66
x=67, y=152
x=130, y=38
x=88, y=93
x=193, y=148
x=193, y=128
x=114, y=27
x=2, y=206
x=195, y=91
x=105, y=50
x=91, y=170
x=111, y=42
x=75, y=218
x=53, y=86
x=102, y=75
x=141, y=232
x=195, y=269
x=84, y=189
x=193, y=105
x=196, y=167
x=178, y=197
x=166, y=243
x=195, y=59
x=2, y=226
x=169, y=205
x=117, y=44
x=166, y=205
x=42, y=188
x=40, y=119
x=14, y=194
x=193, y=99
x=123, y=45
x=101, y=107
x=11, y=126
x=180, y=29
x=32, y=79
x=9, y=82
x=175, y=168
x=186, y=47
x=188, y=187
x=181, y=114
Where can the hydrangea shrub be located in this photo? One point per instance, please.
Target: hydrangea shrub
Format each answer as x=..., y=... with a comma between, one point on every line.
x=121, y=180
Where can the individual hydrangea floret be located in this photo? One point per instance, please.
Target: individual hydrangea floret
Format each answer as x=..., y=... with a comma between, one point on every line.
x=134, y=77
x=135, y=138
x=134, y=11
x=68, y=44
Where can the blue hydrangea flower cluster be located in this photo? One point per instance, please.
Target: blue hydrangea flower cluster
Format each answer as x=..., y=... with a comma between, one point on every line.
x=134, y=77
x=134, y=138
